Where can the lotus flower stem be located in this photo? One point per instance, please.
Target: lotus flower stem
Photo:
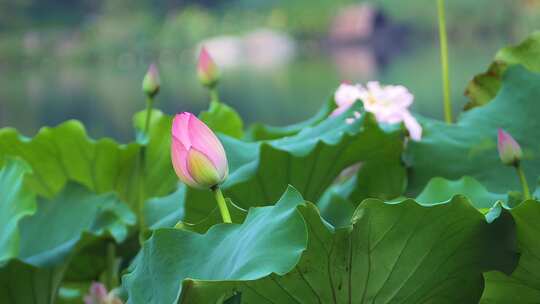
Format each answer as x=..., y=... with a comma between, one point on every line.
x=444, y=62
x=150, y=87
x=222, y=205
x=140, y=199
x=523, y=181
x=141, y=174
x=112, y=266
x=149, y=106
x=214, y=96
x=140, y=170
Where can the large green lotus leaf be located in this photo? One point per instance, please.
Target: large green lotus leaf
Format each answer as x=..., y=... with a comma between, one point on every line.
x=469, y=147
x=66, y=217
x=259, y=131
x=310, y=161
x=334, y=205
x=484, y=87
x=16, y=202
x=91, y=262
x=22, y=283
x=270, y=240
x=337, y=208
x=223, y=119
x=440, y=190
x=391, y=253
x=384, y=178
x=48, y=239
x=523, y=285
x=166, y=211
x=65, y=153
x=397, y=253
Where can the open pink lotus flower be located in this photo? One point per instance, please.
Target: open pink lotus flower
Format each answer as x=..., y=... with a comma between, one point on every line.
x=98, y=294
x=509, y=150
x=390, y=104
x=197, y=154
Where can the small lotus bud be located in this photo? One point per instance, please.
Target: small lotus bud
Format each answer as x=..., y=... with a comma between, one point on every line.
x=197, y=155
x=509, y=150
x=207, y=70
x=98, y=295
x=151, y=83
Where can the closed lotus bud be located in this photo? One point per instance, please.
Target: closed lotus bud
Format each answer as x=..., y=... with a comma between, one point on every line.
x=197, y=154
x=509, y=150
x=151, y=82
x=207, y=70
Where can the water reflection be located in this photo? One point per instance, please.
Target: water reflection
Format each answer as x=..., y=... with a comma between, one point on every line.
x=261, y=49
x=267, y=75
x=355, y=62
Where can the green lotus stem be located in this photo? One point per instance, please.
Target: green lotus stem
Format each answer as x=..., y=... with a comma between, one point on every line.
x=444, y=62
x=112, y=270
x=149, y=105
x=222, y=205
x=141, y=195
x=214, y=96
x=140, y=171
x=523, y=181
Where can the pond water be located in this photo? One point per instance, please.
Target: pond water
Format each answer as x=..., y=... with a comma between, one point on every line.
x=104, y=94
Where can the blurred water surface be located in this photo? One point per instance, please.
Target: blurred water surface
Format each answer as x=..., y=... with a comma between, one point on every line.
x=270, y=80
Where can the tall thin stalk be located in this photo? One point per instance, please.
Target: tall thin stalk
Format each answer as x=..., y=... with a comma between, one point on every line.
x=149, y=105
x=111, y=277
x=523, y=182
x=141, y=171
x=214, y=96
x=444, y=62
x=225, y=215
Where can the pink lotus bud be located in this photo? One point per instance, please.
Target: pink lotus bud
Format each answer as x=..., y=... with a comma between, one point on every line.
x=207, y=70
x=509, y=150
x=151, y=83
x=98, y=295
x=197, y=154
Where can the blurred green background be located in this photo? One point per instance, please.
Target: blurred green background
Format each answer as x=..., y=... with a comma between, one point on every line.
x=280, y=59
